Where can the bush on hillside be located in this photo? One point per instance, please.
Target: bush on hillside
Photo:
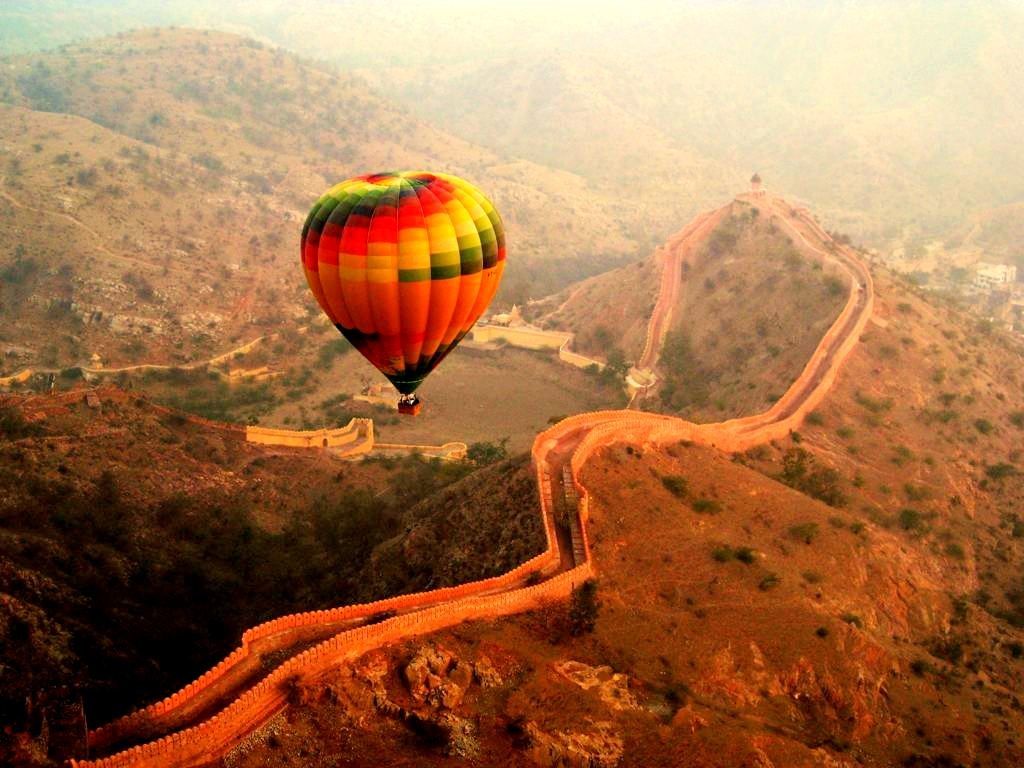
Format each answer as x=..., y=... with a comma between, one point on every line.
x=801, y=472
x=484, y=453
x=676, y=485
x=583, y=608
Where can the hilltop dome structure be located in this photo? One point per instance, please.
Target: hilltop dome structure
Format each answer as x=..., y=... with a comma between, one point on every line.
x=755, y=185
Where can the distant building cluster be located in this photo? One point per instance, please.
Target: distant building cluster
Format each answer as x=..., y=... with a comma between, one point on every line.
x=993, y=276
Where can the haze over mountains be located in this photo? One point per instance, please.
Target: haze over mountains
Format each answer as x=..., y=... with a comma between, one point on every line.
x=177, y=159
x=905, y=125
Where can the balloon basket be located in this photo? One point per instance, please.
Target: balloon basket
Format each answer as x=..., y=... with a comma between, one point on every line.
x=410, y=407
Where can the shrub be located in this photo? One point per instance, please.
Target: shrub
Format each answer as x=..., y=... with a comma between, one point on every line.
x=746, y=555
x=484, y=453
x=332, y=350
x=1000, y=471
x=676, y=485
x=800, y=471
x=770, y=581
x=1017, y=419
x=805, y=532
x=915, y=492
x=583, y=608
x=901, y=455
x=954, y=550
x=812, y=577
x=874, y=405
x=834, y=286
x=13, y=425
x=911, y=520
x=209, y=162
x=87, y=177
x=821, y=632
x=984, y=426
x=723, y=554
x=920, y=667
x=950, y=649
x=706, y=506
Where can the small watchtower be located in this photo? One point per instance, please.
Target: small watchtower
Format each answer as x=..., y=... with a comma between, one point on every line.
x=755, y=185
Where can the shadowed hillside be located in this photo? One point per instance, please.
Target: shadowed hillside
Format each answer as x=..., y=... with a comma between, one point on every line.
x=136, y=545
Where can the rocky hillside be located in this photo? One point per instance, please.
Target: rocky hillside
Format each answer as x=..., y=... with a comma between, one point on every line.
x=137, y=545
x=180, y=165
x=848, y=596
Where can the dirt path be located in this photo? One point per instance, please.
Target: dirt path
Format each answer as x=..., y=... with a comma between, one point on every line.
x=215, y=360
x=133, y=260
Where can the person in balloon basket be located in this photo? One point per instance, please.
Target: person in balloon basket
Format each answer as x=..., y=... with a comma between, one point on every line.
x=409, y=405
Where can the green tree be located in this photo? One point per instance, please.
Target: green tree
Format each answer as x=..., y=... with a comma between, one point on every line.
x=484, y=453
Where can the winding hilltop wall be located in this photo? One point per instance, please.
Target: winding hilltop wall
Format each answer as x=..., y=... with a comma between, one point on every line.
x=510, y=593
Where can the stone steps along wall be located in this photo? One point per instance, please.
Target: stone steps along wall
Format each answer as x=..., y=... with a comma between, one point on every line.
x=287, y=631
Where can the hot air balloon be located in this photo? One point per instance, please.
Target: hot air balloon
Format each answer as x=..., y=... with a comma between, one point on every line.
x=403, y=263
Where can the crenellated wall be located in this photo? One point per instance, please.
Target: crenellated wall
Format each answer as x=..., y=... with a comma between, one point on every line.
x=353, y=629
x=355, y=438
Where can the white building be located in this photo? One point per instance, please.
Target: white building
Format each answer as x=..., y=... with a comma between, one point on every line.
x=989, y=276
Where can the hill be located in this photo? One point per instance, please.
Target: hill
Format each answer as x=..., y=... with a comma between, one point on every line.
x=996, y=235
x=757, y=289
x=180, y=161
x=904, y=127
x=137, y=543
x=847, y=595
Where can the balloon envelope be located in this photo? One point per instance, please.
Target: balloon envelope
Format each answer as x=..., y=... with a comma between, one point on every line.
x=403, y=264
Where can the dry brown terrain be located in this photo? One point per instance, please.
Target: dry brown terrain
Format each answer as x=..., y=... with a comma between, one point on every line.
x=158, y=219
x=869, y=614
x=136, y=545
x=735, y=636
x=753, y=301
